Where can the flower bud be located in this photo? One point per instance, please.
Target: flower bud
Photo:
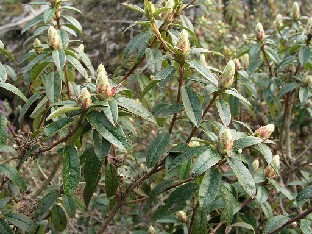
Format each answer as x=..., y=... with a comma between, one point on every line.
x=193, y=144
x=307, y=81
x=81, y=47
x=238, y=65
x=279, y=21
x=255, y=165
x=309, y=26
x=227, y=77
x=260, y=32
x=265, y=132
x=182, y=216
x=183, y=43
x=151, y=230
x=149, y=9
x=269, y=172
x=54, y=2
x=37, y=46
x=85, y=98
x=225, y=141
x=276, y=161
x=245, y=60
x=1, y=45
x=296, y=11
x=102, y=85
x=53, y=38
x=203, y=59
x=168, y=14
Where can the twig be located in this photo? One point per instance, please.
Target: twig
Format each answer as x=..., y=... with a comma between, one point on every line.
x=215, y=95
x=136, y=201
x=296, y=218
x=193, y=217
x=47, y=182
x=266, y=59
x=217, y=227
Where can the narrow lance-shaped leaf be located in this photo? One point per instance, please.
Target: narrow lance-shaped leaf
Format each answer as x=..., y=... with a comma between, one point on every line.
x=203, y=70
x=13, y=89
x=192, y=105
x=224, y=111
x=59, y=218
x=13, y=175
x=53, y=86
x=46, y=203
x=247, y=141
x=5, y=227
x=73, y=21
x=101, y=146
x=156, y=149
x=71, y=169
x=3, y=129
x=111, y=180
x=243, y=175
x=274, y=223
x=209, y=187
x=19, y=220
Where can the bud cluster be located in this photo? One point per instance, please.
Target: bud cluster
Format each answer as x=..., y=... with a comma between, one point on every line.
x=102, y=85
x=85, y=98
x=279, y=21
x=227, y=77
x=296, y=11
x=183, y=44
x=53, y=38
x=264, y=132
x=181, y=216
x=260, y=32
x=245, y=61
x=225, y=141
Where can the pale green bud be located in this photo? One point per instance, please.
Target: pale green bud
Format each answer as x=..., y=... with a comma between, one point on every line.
x=149, y=9
x=265, y=132
x=81, y=47
x=85, y=98
x=227, y=77
x=279, y=21
x=151, y=230
x=183, y=43
x=238, y=65
x=276, y=161
x=182, y=216
x=260, y=32
x=225, y=141
x=307, y=81
x=102, y=85
x=1, y=45
x=296, y=11
x=245, y=60
x=53, y=38
x=193, y=144
x=255, y=165
x=37, y=46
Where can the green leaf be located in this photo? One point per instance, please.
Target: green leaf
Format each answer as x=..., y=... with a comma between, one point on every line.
x=71, y=170
x=62, y=110
x=3, y=129
x=53, y=128
x=186, y=155
x=306, y=226
x=7, y=53
x=38, y=70
x=304, y=55
x=192, y=105
x=10, y=72
x=69, y=205
x=274, y=223
x=5, y=227
x=114, y=135
x=101, y=146
x=247, y=141
x=73, y=21
x=205, y=161
x=303, y=94
x=64, y=39
x=71, y=8
x=228, y=201
x=53, y=86
x=111, y=180
x=135, y=108
x=235, y=93
x=154, y=59
x=134, y=7
x=59, y=58
x=46, y=203
x=209, y=187
x=305, y=194
x=13, y=175
x=48, y=14
x=19, y=220
x=200, y=222
x=6, y=149
x=161, y=187
x=3, y=73
x=156, y=149
x=287, y=88
x=203, y=70
x=281, y=189
x=243, y=175
x=272, y=54
x=91, y=170
x=224, y=111
x=32, y=23
x=136, y=42
x=4, y=201
x=111, y=111
x=265, y=151
x=13, y=89
x=77, y=65
x=165, y=75
x=85, y=59
x=59, y=218
x=239, y=224
x=176, y=200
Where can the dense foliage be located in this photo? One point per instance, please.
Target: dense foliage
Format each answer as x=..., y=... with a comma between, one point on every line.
x=169, y=142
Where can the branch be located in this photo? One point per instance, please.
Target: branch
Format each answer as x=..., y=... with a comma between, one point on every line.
x=296, y=218
x=266, y=59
